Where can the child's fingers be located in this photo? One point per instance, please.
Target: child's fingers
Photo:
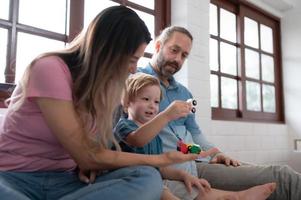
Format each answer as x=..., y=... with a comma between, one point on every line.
x=188, y=187
x=205, y=183
x=200, y=187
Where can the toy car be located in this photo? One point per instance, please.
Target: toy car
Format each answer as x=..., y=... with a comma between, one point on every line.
x=188, y=148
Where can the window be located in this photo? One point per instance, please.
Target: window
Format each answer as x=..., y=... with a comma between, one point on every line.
x=27, y=30
x=245, y=63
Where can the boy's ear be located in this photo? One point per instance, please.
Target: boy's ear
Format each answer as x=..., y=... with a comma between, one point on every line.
x=125, y=109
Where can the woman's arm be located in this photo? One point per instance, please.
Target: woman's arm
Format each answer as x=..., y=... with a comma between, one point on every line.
x=65, y=124
x=145, y=133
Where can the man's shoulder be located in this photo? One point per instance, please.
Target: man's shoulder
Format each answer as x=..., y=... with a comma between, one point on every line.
x=147, y=70
x=181, y=86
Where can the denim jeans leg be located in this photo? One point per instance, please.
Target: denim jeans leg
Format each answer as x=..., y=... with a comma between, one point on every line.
x=8, y=189
x=130, y=183
x=125, y=183
x=9, y=193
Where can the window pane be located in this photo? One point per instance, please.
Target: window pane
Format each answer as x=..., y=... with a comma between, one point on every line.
x=268, y=98
x=149, y=3
x=266, y=38
x=251, y=32
x=3, y=48
x=267, y=68
x=252, y=63
x=29, y=46
x=214, y=90
x=149, y=20
x=213, y=19
x=213, y=55
x=253, y=96
x=4, y=9
x=228, y=58
x=46, y=14
x=93, y=7
x=143, y=61
x=228, y=25
x=229, y=93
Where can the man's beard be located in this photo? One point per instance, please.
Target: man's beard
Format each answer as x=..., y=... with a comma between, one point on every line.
x=162, y=63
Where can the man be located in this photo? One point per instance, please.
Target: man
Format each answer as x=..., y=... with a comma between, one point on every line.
x=171, y=49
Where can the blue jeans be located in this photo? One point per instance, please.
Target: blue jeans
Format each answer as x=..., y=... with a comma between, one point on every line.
x=125, y=183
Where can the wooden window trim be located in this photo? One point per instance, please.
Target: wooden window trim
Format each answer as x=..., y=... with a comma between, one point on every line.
x=241, y=9
x=162, y=19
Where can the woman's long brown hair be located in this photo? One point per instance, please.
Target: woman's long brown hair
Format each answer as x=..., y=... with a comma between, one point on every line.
x=98, y=60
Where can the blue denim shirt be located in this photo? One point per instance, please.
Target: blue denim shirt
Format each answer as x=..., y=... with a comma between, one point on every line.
x=124, y=127
x=186, y=127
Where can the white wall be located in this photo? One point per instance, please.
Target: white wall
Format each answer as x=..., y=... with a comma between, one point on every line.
x=291, y=52
x=259, y=143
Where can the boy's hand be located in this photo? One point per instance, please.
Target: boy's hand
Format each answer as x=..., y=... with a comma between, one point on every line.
x=201, y=184
x=177, y=109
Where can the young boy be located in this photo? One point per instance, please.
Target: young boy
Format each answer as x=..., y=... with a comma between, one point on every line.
x=138, y=132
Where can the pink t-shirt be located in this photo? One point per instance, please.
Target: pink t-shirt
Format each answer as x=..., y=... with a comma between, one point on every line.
x=26, y=142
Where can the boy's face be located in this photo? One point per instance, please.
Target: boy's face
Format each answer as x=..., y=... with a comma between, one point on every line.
x=146, y=104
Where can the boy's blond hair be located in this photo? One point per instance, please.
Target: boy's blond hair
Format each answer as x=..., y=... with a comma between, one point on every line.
x=135, y=83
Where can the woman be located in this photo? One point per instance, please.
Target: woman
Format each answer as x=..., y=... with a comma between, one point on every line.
x=60, y=119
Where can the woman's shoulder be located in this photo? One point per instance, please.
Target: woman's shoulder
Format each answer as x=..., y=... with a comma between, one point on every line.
x=50, y=64
x=50, y=61
x=50, y=75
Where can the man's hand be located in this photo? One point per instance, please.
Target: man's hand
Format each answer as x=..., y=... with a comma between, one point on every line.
x=224, y=159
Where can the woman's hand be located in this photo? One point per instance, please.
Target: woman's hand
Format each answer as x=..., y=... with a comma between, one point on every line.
x=173, y=157
x=209, y=152
x=87, y=176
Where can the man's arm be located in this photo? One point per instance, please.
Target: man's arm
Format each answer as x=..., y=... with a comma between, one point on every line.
x=199, y=138
x=196, y=133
